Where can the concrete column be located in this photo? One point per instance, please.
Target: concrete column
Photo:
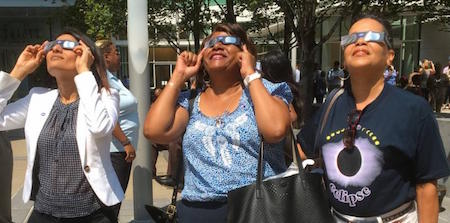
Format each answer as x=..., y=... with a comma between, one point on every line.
x=138, y=53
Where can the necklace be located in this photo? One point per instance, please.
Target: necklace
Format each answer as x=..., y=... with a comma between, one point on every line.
x=219, y=119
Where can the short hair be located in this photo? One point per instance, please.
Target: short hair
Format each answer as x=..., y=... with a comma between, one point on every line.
x=104, y=45
x=276, y=68
x=380, y=19
x=336, y=63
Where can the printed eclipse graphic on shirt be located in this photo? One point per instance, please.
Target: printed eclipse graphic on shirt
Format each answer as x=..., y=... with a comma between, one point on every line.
x=211, y=139
x=356, y=167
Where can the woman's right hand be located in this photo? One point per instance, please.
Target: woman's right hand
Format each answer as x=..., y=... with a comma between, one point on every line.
x=28, y=61
x=188, y=64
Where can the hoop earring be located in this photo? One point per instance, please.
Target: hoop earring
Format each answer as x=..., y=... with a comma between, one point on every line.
x=206, y=78
x=344, y=78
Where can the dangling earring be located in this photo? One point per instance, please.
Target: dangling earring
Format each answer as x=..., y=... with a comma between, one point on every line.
x=345, y=77
x=206, y=78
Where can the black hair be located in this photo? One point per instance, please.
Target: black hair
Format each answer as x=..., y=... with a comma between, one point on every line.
x=276, y=68
x=380, y=19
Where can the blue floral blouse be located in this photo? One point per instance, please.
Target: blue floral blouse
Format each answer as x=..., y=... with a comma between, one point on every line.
x=221, y=153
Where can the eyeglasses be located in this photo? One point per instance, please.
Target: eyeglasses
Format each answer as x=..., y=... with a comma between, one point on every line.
x=350, y=132
x=370, y=36
x=227, y=40
x=65, y=44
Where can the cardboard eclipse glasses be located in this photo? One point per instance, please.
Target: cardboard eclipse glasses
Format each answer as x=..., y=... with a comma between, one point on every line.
x=65, y=44
x=370, y=36
x=226, y=40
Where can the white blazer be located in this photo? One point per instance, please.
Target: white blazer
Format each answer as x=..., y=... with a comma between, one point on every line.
x=97, y=115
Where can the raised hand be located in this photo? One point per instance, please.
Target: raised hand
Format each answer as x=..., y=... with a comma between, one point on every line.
x=84, y=59
x=187, y=66
x=28, y=61
x=247, y=61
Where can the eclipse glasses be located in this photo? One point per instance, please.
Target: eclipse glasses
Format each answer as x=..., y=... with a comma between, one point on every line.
x=370, y=36
x=226, y=40
x=65, y=44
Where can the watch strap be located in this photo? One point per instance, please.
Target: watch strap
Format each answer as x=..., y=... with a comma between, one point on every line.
x=250, y=78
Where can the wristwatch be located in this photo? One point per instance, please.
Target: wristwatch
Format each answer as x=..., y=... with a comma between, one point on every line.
x=251, y=77
x=126, y=143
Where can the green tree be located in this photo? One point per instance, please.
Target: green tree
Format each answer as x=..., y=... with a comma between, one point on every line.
x=302, y=17
x=99, y=19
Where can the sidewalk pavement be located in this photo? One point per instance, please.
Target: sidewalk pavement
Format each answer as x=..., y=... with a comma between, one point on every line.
x=161, y=195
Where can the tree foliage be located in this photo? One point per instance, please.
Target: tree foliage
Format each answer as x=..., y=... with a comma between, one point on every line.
x=99, y=19
x=303, y=17
x=173, y=20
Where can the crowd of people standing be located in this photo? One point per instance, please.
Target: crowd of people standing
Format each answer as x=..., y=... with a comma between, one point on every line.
x=381, y=148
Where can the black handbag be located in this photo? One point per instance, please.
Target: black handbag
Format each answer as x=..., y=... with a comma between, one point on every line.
x=167, y=214
x=296, y=198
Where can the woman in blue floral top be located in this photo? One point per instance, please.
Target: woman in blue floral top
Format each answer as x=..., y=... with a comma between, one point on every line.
x=230, y=116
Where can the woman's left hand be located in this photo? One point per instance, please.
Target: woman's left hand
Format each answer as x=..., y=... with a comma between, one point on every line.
x=131, y=153
x=85, y=58
x=247, y=61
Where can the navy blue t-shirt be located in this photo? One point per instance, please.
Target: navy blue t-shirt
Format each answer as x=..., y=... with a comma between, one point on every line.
x=397, y=146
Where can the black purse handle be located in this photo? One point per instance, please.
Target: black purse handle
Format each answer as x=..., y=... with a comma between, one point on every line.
x=334, y=94
x=259, y=178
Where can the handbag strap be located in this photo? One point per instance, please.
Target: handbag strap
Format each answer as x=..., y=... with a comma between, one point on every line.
x=171, y=209
x=259, y=177
x=324, y=117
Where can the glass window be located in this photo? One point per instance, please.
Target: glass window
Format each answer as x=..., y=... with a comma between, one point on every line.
x=411, y=28
x=330, y=52
x=410, y=54
x=326, y=27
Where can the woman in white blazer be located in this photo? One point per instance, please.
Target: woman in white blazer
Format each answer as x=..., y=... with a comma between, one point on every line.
x=68, y=131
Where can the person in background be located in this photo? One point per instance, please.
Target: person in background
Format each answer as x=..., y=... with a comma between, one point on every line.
x=381, y=146
x=319, y=83
x=446, y=71
x=6, y=168
x=174, y=149
x=334, y=77
x=275, y=67
x=126, y=130
x=438, y=84
x=390, y=75
x=68, y=131
x=426, y=69
x=297, y=74
x=414, y=81
x=230, y=117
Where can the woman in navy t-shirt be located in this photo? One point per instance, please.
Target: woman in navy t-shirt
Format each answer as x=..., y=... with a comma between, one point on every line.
x=381, y=145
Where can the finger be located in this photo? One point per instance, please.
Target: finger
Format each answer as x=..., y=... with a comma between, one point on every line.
x=183, y=56
x=28, y=48
x=199, y=59
x=83, y=44
x=189, y=58
x=41, y=55
x=194, y=60
x=43, y=45
x=244, y=48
